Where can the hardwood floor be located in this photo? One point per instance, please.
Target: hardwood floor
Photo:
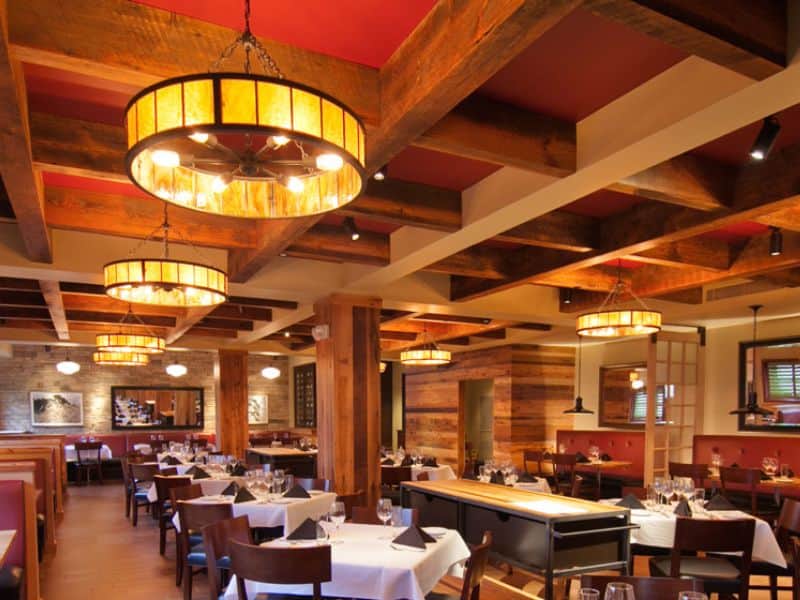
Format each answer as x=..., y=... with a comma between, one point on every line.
x=101, y=557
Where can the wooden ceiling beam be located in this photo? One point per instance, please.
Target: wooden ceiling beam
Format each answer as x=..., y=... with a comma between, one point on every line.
x=188, y=320
x=207, y=332
x=456, y=341
x=486, y=130
x=745, y=36
x=333, y=242
x=706, y=253
x=134, y=44
x=112, y=318
x=107, y=304
x=454, y=50
x=402, y=336
x=238, y=311
x=25, y=312
x=495, y=334
x=20, y=285
x=486, y=263
x=263, y=302
x=55, y=306
x=559, y=230
x=23, y=184
x=15, y=298
x=212, y=323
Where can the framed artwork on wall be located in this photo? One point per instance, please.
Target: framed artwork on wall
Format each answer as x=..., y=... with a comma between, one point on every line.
x=56, y=409
x=258, y=410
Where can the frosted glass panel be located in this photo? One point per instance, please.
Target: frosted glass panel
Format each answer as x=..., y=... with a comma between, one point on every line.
x=690, y=374
x=676, y=351
x=661, y=373
x=690, y=351
x=662, y=350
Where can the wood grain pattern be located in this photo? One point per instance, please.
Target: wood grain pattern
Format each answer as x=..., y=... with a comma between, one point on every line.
x=44, y=455
x=231, y=382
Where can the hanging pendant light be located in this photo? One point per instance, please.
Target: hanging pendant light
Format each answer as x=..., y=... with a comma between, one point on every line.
x=245, y=145
x=165, y=281
x=270, y=372
x=142, y=343
x=68, y=367
x=427, y=355
x=619, y=322
x=176, y=369
x=751, y=406
x=578, y=409
x=121, y=359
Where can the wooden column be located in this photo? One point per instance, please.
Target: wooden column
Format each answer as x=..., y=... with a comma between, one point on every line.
x=348, y=395
x=230, y=375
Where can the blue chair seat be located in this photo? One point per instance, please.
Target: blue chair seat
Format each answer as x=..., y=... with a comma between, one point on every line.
x=140, y=495
x=196, y=556
x=195, y=539
x=10, y=582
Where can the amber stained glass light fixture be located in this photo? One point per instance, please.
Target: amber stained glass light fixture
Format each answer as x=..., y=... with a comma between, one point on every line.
x=123, y=341
x=245, y=145
x=427, y=355
x=121, y=359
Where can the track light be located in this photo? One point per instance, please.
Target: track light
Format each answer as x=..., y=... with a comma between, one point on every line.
x=351, y=229
x=566, y=295
x=766, y=138
x=380, y=174
x=775, y=242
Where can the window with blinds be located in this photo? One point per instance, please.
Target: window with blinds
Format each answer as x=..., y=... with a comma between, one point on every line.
x=639, y=405
x=782, y=380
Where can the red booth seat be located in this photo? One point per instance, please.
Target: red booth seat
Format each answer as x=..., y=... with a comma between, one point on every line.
x=115, y=442
x=121, y=443
x=627, y=446
x=18, y=513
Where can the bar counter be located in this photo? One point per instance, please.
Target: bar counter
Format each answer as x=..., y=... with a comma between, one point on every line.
x=553, y=536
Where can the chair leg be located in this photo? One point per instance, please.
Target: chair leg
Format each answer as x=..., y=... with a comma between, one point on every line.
x=162, y=538
x=180, y=562
x=135, y=512
x=187, y=581
x=127, y=503
x=773, y=587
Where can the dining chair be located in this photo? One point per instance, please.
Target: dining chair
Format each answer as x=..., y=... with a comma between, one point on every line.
x=141, y=477
x=476, y=566
x=423, y=476
x=127, y=483
x=216, y=543
x=164, y=509
x=697, y=471
x=564, y=475
x=740, y=487
x=281, y=566
x=391, y=478
x=308, y=484
x=718, y=574
x=180, y=494
x=536, y=457
x=350, y=501
x=649, y=588
x=193, y=518
x=369, y=516
x=786, y=528
x=87, y=459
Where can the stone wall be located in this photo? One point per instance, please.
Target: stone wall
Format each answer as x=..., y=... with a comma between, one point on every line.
x=33, y=368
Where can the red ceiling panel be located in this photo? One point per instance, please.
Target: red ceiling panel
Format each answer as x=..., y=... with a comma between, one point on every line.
x=602, y=204
x=580, y=65
x=738, y=233
x=438, y=169
x=88, y=184
x=362, y=31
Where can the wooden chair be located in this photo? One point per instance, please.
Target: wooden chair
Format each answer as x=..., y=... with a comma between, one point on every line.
x=141, y=477
x=649, y=588
x=87, y=459
x=698, y=472
x=718, y=574
x=787, y=528
x=369, y=516
x=350, y=501
x=423, y=476
x=282, y=566
x=308, y=484
x=740, y=486
x=391, y=478
x=164, y=510
x=194, y=517
x=564, y=475
x=536, y=457
x=216, y=543
x=476, y=566
x=181, y=494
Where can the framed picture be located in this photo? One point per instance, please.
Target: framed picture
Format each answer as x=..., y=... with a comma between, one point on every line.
x=258, y=410
x=56, y=409
x=138, y=407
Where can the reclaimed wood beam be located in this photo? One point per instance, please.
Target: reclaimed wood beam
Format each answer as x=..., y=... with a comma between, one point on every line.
x=55, y=306
x=183, y=324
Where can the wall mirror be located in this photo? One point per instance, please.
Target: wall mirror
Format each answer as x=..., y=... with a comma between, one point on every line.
x=623, y=396
x=771, y=369
x=156, y=407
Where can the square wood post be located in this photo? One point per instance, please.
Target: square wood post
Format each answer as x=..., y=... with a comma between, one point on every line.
x=230, y=376
x=348, y=394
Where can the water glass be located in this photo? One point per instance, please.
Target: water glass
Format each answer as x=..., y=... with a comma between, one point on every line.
x=278, y=477
x=651, y=498
x=616, y=590
x=691, y=595
x=588, y=594
x=784, y=471
x=384, y=512
x=337, y=516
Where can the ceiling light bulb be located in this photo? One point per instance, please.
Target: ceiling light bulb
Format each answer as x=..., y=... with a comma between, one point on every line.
x=329, y=162
x=184, y=197
x=765, y=140
x=775, y=242
x=294, y=185
x=279, y=140
x=199, y=137
x=380, y=174
x=68, y=367
x=176, y=370
x=757, y=155
x=270, y=372
x=166, y=158
x=221, y=183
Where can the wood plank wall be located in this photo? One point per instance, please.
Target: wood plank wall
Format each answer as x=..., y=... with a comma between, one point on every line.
x=532, y=386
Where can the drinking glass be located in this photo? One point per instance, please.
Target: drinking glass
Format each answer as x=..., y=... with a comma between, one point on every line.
x=588, y=594
x=650, y=499
x=337, y=516
x=699, y=499
x=691, y=595
x=594, y=454
x=278, y=476
x=616, y=590
x=483, y=474
x=669, y=489
x=384, y=511
x=658, y=486
x=784, y=471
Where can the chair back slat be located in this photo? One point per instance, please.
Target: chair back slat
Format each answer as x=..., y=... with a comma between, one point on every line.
x=164, y=484
x=742, y=482
x=142, y=473
x=788, y=523
x=87, y=452
x=216, y=543
x=308, y=484
x=476, y=567
x=698, y=472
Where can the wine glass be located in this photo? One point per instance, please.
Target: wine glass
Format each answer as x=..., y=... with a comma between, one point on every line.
x=588, y=594
x=483, y=474
x=658, y=486
x=669, y=489
x=594, y=454
x=337, y=516
x=691, y=595
x=278, y=476
x=616, y=590
x=384, y=511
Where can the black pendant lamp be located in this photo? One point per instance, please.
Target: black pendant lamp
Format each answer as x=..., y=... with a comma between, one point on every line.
x=752, y=407
x=578, y=409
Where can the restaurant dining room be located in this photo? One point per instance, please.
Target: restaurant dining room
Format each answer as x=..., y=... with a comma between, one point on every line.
x=399, y=300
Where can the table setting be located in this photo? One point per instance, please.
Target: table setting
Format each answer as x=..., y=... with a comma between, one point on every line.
x=71, y=455
x=418, y=463
x=213, y=478
x=505, y=473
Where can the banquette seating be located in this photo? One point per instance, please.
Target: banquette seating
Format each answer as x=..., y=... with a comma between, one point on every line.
x=20, y=575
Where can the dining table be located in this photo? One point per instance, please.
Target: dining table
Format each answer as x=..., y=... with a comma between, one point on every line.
x=366, y=564
x=211, y=486
x=278, y=511
x=71, y=455
x=437, y=473
x=6, y=539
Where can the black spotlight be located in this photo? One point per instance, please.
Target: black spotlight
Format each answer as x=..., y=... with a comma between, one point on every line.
x=351, y=229
x=766, y=138
x=775, y=242
x=566, y=295
x=380, y=174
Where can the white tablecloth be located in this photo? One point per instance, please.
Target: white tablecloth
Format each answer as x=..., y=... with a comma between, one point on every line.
x=211, y=486
x=290, y=513
x=434, y=473
x=658, y=529
x=71, y=455
x=540, y=485
x=143, y=448
x=364, y=566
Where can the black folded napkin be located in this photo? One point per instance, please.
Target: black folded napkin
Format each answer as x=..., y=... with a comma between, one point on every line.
x=406, y=462
x=297, y=492
x=306, y=531
x=580, y=457
x=526, y=478
x=735, y=466
x=243, y=495
x=469, y=475
x=497, y=477
x=605, y=457
x=765, y=477
x=630, y=501
x=414, y=537
x=683, y=510
x=387, y=462
x=719, y=502
x=170, y=460
x=231, y=490
x=429, y=462
x=239, y=470
x=197, y=473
